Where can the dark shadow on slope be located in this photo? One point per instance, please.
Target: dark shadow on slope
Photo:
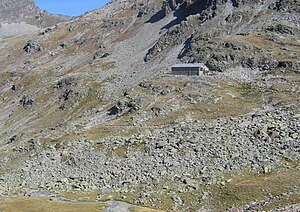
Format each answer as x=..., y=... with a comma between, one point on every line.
x=187, y=44
x=173, y=23
x=186, y=10
x=156, y=17
x=114, y=111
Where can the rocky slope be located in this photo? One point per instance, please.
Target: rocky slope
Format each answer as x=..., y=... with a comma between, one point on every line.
x=225, y=34
x=89, y=106
x=18, y=17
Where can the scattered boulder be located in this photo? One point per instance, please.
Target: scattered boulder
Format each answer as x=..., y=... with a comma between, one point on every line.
x=26, y=101
x=100, y=54
x=67, y=82
x=285, y=64
x=282, y=29
x=63, y=45
x=156, y=110
x=13, y=87
x=143, y=11
x=66, y=95
x=122, y=107
x=70, y=92
x=13, y=139
x=161, y=144
x=32, y=46
x=289, y=64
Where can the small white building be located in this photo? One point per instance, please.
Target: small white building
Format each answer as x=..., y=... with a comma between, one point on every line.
x=189, y=69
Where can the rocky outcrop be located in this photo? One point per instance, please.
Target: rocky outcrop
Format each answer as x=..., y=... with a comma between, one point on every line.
x=101, y=53
x=18, y=10
x=174, y=36
x=70, y=93
x=26, y=101
x=32, y=46
x=129, y=106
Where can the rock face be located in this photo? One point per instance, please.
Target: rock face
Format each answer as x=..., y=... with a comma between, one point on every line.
x=18, y=10
x=26, y=10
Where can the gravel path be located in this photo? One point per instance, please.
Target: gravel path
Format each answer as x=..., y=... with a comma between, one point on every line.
x=112, y=206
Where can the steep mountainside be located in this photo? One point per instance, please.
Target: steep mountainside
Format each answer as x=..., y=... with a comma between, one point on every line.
x=89, y=108
x=225, y=34
x=17, y=17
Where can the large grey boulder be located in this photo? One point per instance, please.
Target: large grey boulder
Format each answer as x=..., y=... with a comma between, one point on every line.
x=32, y=46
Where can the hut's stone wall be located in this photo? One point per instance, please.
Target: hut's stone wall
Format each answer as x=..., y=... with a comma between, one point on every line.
x=189, y=71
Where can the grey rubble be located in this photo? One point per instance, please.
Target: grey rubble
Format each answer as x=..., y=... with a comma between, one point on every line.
x=189, y=154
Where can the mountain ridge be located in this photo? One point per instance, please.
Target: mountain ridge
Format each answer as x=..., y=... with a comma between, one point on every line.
x=25, y=16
